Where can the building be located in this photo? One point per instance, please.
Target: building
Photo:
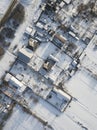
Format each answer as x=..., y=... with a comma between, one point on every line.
x=25, y=55
x=67, y=1
x=32, y=44
x=28, y=31
x=59, y=40
x=48, y=64
x=58, y=99
x=17, y=85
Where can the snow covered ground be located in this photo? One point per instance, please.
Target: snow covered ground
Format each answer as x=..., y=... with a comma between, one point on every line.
x=6, y=62
x=81, y=114
x=83, y=86
x=20, y=120
x=4, y=4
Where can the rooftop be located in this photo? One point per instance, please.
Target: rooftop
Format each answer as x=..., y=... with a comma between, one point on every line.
x=58, y=99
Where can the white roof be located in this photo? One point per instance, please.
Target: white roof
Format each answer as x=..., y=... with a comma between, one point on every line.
x=40, y=25
x=54, y=73
x=57, y=99
x=15, y=82
x=62, y=94
x=67, y=1
x=7, y=77
x=19, y=85
x=27, y=52
x=28, y=30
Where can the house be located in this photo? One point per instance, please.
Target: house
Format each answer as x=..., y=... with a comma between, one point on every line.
x=67, y=1
x=58, y=99
x=28, y=31
x=54, y=74
x=49, y=63
x=61, y=4
x=47, y=66
x=59, y=40
x=39, y=25
x=32, y=44
x=73, y=35
x=25, y=54
x=15, y=83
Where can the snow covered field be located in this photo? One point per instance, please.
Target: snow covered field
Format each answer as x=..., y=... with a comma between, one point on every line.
x=83, y=86
x=20, y=120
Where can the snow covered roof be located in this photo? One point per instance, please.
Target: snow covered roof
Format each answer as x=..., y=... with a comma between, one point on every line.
x=9, y=78
x=58, y=99
x=25, y=54
x=28, y=30
x=67, y=1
